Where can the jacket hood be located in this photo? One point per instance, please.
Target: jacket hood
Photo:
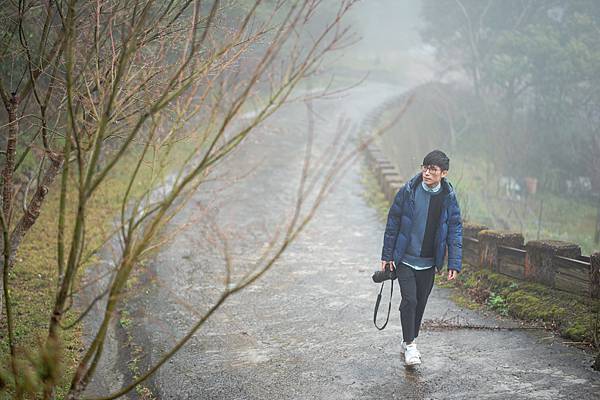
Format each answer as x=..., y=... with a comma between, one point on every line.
x=417, y=179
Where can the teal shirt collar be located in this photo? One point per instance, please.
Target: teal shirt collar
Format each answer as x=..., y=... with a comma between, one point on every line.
x=431, y=190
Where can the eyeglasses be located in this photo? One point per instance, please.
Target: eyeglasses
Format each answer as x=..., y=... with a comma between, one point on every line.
x=433, y=169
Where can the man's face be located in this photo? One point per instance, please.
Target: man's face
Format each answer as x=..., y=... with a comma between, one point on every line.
x=432, y=175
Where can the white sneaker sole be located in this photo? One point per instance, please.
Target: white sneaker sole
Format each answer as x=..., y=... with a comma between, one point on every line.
x=415, y=361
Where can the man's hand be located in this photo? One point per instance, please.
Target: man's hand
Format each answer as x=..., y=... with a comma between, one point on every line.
x=452, y=274
x=383, y=264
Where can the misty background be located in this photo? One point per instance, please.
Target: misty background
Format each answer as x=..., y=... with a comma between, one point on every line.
x=509, y=90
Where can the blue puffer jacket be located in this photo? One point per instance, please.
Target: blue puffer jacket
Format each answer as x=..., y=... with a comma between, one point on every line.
x=400, y=219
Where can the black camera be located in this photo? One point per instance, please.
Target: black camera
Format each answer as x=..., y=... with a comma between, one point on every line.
x=385, y=274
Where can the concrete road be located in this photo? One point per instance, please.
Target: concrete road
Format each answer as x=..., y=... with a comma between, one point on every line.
x=305, y=330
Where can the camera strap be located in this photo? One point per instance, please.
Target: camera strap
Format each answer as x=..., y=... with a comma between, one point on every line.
x=379, y=301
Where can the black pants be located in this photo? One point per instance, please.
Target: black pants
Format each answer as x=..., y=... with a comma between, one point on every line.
x=415, y=287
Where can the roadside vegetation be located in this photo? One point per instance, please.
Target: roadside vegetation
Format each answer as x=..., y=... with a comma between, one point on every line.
x=35, y=280
x=543, y=215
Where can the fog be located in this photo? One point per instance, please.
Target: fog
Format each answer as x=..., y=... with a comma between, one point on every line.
x=390, y=43
x=162, y=163
x=510, y=90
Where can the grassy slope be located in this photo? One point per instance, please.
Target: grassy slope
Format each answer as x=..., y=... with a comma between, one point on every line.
x=562, y=218
x=34, y=277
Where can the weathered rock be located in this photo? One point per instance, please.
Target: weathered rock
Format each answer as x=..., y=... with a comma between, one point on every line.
x=539, y=262
x=595, y=276
x=489, y=240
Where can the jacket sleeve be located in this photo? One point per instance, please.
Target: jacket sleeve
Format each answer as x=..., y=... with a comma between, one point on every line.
x=393, y=226
x=455, y=237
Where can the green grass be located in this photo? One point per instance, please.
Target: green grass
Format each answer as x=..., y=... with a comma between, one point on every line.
x=34, y=277
x=562, y=218
x=372, y=192
x=576, y=318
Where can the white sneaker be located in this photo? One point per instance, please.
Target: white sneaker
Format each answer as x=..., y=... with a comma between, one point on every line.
x=412, y=355
x=416, y=350
x=403, y=347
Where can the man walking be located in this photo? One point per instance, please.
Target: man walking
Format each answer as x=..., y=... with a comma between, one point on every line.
x=423, y=221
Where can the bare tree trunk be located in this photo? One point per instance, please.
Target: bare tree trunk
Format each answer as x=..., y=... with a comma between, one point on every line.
x=596, y=182
x=8, y=171
x=11, y=147
x=597, y=233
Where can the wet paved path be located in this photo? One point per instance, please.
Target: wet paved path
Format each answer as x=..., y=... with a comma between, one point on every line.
x=305, y=331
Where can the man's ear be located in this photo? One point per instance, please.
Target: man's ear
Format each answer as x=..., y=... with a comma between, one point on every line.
x=444, y=173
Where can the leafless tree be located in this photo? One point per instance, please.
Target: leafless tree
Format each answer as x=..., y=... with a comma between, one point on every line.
x=89, y=85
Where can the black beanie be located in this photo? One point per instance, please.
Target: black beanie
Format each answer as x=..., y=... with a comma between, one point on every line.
x=439, y=158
